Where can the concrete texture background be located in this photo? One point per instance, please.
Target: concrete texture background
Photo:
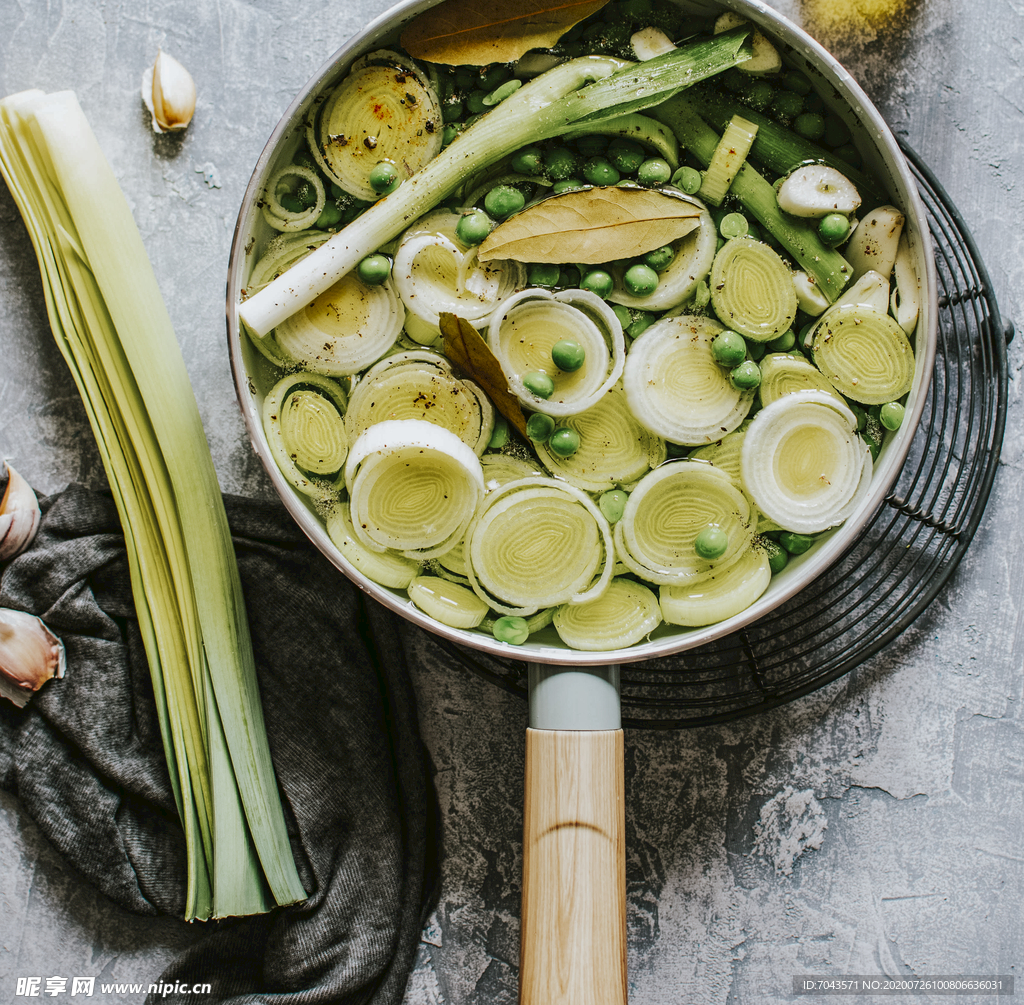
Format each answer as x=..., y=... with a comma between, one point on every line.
x=874, y=827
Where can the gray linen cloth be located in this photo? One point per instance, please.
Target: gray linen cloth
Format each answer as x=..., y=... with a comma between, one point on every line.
x=86, y=760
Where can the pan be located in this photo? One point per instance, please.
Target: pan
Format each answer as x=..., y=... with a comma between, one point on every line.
x=573, y=941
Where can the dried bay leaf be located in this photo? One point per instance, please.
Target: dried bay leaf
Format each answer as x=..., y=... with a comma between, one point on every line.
x=592, y=226
x=466, y=348
x=457, y=32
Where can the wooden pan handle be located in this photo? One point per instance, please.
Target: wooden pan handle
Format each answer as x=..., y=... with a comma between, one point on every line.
x=573, y=940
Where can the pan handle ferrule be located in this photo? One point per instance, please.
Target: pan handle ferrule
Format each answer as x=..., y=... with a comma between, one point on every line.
x=574, y=698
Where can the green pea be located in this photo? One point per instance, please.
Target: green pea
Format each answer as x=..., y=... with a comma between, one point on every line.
x=473, y=227
x=891, y=415
x=641, y=322
x=564, y=442
x=591, y=146
x=539, y=427
x=787, y=104
x=711, y=543
x=795, y=544
x=836, y=132
x=384, y=178
x=849, y=153
x=833, y=228
x=759, y=95
x=499, y=434
x=291, y=202
x=499, y=94
x=626, y=156
x=654, y=171
x=560, y=163
x=329, y=216
x=451, y=110
x=544, y=274
x=450, y=132
x=515, y=631
x=640, y=280
x=568, y=355
x=503, y=200
x=612, y=504
x=622, y=313
x=529, y=160
x=746, y=376
x=733, y=225
x=493, y=75
x=539, y=383
x=809, y=125
x=476, y=102
x=778, y=557
x=660, y=258
x=784, y=343
x=729, y=348
x=598, y=281
x=569, y=276
x=374, y=269
x=568, y=185
x=688, y=179
x=599, y=171
x=755, y=350
x=465, y=78
x=794, y=80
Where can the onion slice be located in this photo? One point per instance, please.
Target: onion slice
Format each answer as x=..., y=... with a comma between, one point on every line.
x=803, y=463
x=413, y=486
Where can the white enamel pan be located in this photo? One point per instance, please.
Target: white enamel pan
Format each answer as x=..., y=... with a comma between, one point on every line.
x=573, y=949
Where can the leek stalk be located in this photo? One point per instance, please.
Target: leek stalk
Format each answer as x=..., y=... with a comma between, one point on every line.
x=112, y=327
x=545, y=107
x=799, y=237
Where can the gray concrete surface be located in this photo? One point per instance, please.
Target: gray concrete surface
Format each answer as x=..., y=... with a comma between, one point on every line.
x=874, y=827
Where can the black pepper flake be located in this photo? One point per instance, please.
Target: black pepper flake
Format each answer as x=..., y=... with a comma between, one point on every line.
x=340, y=138
x=370, y=142
x=429, y=126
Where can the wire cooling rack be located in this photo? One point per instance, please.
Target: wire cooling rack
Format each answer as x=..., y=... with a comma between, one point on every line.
x=900, y=561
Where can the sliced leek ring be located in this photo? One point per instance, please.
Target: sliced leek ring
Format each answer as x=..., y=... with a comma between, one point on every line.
x=522, y=334
x=304, y=421
x=436, y=273
x=535, y=543
x=720, y=594
x=283, y=219
x=343, y=331
x=864, y=353
x=725, y=453
x=669, y=508
x=384, y=110
x=782, y=373
x=803, y=463
x=752, y=290
x=447, y=602
x=420, y=385
x=501, y=468
x=413, y=488
x=623, y=615
x=281, y=254
x=694, y=254
x=676, y=389
x=615, y=450
x=386, y=568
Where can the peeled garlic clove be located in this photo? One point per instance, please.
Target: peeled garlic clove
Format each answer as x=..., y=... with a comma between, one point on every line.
x=30, y=654
x=169, y=93
x=19, y=516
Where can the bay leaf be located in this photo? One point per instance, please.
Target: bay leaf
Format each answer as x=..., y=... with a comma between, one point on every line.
x=466, y=348
x=457, y=32
x=592, y=226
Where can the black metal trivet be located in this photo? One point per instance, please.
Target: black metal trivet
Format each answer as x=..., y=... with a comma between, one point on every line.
x=900, y=561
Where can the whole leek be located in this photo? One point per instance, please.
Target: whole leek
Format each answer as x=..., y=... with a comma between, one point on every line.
x=585, y=90
x=111, y=324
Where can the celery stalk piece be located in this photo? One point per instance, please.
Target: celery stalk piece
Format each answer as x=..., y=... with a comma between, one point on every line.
x=585, y=90
x=110, y=323
x=799, y=237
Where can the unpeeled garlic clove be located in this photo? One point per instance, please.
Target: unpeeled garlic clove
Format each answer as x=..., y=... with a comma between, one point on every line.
x=19, y=516
x=30, y=654
x=169, y=92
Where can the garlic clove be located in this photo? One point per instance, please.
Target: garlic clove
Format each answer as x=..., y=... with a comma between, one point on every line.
x=30, y=654
x=169, y=92
x=19, y=516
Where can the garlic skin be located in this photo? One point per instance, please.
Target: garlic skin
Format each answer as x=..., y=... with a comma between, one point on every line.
x=30, y=654
x=19, y=516
x=169, y=92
